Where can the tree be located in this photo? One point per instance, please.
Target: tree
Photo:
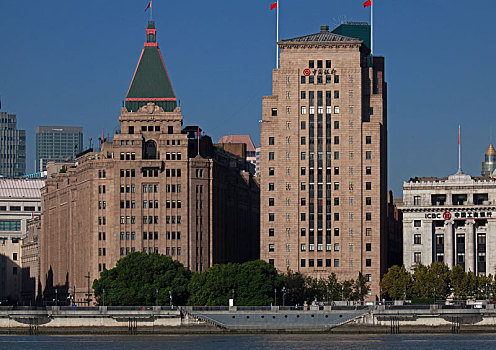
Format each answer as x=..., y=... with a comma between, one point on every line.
x=253, y=283
x=439, y=277
x=136, y=278
x=457, y=281
x=422, y=286
x=397, y=283
x=360, y=288
x=295, y=284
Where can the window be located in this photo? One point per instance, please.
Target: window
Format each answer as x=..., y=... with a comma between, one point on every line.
x=368, y=170
x=311, y=79
x=303, y=156
x=368, y=200
x=311, y=263
x=336, y=93
x=336, y=216
x=303, y=79
x=368, y=262
x=310, y=64
x=271, y=232
x=302, y=263
x=368, y=140
x=417, y=257
x=271, y=171
x=368, y=231
x=303, y=217
x=319, y=64
x=303, y=109
x=303, y=202
x=417, y=223
x=271, y=216
x=303, y=171
x=336, y=247
x=336, y=170
x=303, y=125
x=271, y=202
x=368, y=247
x=336, y=140
x=274, y=112
x=417, y=239
x=271, y=247
x=328, y=63
x=336, y=262
x=271, y=155
x=336, y=232
x=336, y=155
x=336, y=186
x=271, y=141
x=303, y=186
x=336, y=109
x=271, y=186
x=368, y=186
x=336, y=79
x=303, y=95
x=336, y=125
x=368, y=216
x=416, y=200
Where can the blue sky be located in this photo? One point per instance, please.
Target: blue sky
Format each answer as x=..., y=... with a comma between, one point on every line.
x=71, y=63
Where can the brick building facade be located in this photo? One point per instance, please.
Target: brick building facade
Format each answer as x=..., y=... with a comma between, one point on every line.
x=156, y=187
x=324, y=158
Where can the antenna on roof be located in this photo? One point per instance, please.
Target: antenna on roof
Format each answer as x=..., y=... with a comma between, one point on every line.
x=459, y=151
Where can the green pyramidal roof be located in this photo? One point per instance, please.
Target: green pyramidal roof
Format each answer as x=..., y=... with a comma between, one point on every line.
x=151, y=82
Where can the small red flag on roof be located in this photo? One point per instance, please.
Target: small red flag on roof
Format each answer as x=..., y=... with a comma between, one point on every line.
x=198, y=132
x=273, y=6
x=149, y=6
x=367, y=3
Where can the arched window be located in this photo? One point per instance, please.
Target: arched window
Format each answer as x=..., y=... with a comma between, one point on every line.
x=150, y=150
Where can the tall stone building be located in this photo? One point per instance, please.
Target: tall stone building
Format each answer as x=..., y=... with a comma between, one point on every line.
x=156, y=187
x=57, y=144
x=324, y=159
x=12, y=147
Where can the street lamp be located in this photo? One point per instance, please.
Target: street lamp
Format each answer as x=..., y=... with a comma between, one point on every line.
x=342, y=293
x=170, y=299
x=434, y=295
x=283, y=296
x=156, y=296
x=486, y=292
x=103, y=296
x=233, y=295
x=56, y=296
x=275, y=296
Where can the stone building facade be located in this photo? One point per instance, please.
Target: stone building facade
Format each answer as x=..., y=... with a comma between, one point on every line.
x=324, y=159
x=452, y=220
x=157, y=187
x=20, y=201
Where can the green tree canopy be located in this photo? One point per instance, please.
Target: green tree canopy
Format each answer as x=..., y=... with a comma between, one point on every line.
x=253, y=284
x=397, y=282
x=137, y=277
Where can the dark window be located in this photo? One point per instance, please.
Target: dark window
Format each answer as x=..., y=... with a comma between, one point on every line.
x=271, y=232
x=157, y=128
x=271, y=202
x=131, y=129
x=368, y=186
x=328, y=63
x=271, y=140
x=302, y=263
x=336, y=125
x=328, y=262
x=368, y=201
x=368, y=170
x=311, y=263
x=303, y=94
x=303, y=79
x=150, y=151
x=336, y=140
x=303, y=125
x=319, y=79
x=274, y=112
x=336, y=79
x=368, y=140
x=368, y=247
x=319, y=64
x=143, y=128
x=336, y=93
x=368, y=262
x=336, y=232
x=311, y=79
x=368, y=216
x=319, y=262
x=170, y=129
x=311, y=64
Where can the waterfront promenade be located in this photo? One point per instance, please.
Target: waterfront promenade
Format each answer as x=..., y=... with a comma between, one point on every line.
x=239, y=319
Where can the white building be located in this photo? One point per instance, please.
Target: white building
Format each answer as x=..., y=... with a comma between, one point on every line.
x=20, y=201
x=452, y=220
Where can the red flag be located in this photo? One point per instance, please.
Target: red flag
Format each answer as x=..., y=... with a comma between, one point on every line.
x=273, y=6
x=367, y=3
x=198, y=133
x=149, y=6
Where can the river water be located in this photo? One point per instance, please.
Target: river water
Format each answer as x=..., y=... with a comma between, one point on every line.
x=241, y=342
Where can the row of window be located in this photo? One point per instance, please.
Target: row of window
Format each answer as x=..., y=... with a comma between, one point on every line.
x=368, y=186
x=303, y=232
x=128, y=155
x=320, y=78
x=368, y=139
x=173, y=156
x=19, y=208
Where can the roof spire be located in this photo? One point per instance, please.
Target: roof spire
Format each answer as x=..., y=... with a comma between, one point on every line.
x=151, y=81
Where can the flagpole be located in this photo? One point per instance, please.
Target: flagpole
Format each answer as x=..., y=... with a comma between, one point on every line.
x=459, y=150
x=277, y=36
x=372, y=27
x=151, y=11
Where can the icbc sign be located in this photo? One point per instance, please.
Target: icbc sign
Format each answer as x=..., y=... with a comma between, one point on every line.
x=446, y=215
x=306, y=72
